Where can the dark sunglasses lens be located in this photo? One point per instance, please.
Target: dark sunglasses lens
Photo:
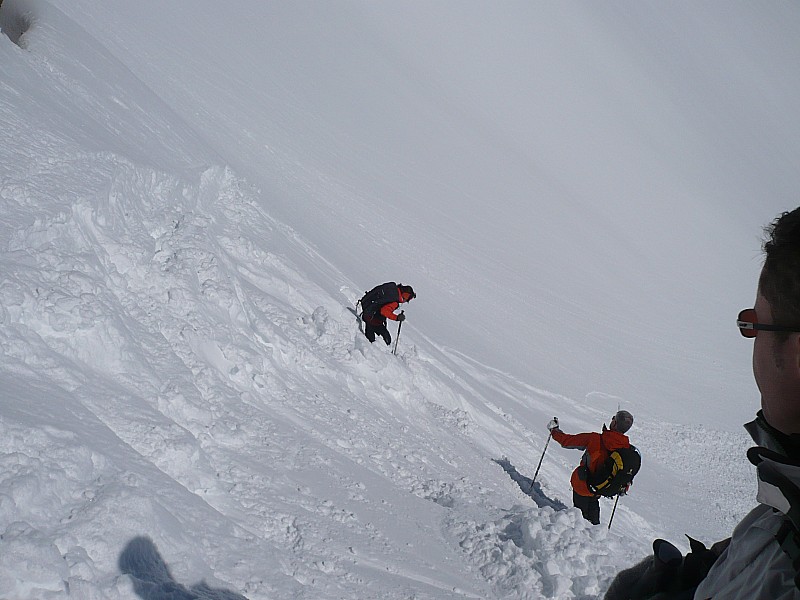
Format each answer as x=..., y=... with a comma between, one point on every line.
x=746, y=321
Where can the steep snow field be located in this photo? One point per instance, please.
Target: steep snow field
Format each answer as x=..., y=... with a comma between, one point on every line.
x=193, y=197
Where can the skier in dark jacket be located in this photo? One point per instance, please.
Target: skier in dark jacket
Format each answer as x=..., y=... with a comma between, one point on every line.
x=379, y=304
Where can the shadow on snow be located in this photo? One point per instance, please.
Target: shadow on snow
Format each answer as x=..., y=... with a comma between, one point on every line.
x=153, y=581
x=358, y=318
x=528, y=487
x=16, y=18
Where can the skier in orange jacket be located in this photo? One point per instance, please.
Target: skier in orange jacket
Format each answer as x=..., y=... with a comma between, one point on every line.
x=597, y=447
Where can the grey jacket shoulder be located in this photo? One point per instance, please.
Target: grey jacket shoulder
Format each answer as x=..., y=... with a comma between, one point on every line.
x=754, y=565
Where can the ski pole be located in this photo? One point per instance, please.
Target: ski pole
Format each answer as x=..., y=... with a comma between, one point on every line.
x=530, y=489
x=397, y=339
x=613, y=511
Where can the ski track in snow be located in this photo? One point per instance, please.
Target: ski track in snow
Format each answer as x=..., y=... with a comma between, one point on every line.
x=183, y=407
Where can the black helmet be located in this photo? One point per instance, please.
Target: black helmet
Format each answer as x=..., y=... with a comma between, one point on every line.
x=407, y=289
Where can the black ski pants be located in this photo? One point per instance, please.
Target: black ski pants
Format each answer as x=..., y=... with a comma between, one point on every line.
x=377, y=326
x=589, y=507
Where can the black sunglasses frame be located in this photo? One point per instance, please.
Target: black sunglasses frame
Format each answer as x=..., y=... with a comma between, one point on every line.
x=754, y=326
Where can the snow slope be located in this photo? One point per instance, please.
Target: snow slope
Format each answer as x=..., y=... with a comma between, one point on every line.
x=555, y=171
x=188, y=407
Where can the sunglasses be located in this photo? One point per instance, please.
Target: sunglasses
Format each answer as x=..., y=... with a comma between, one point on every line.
x=748, y=324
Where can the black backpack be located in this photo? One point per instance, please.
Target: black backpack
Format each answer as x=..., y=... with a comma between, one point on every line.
x=617, y=471
x=372, y=301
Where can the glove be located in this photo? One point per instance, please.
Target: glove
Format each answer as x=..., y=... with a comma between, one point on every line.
x=401, y=317
x=665, y=573
x=657, y=574
x=552, y=424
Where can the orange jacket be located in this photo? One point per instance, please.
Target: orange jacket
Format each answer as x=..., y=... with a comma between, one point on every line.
x=594, y=455
x=387, y=310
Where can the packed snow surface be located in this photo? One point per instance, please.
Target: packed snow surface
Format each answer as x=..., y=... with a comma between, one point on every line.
x=193, y=197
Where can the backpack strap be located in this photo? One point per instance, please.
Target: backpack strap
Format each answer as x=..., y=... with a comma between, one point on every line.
x=584, y=473
x=595, y=488
x=603, y=443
